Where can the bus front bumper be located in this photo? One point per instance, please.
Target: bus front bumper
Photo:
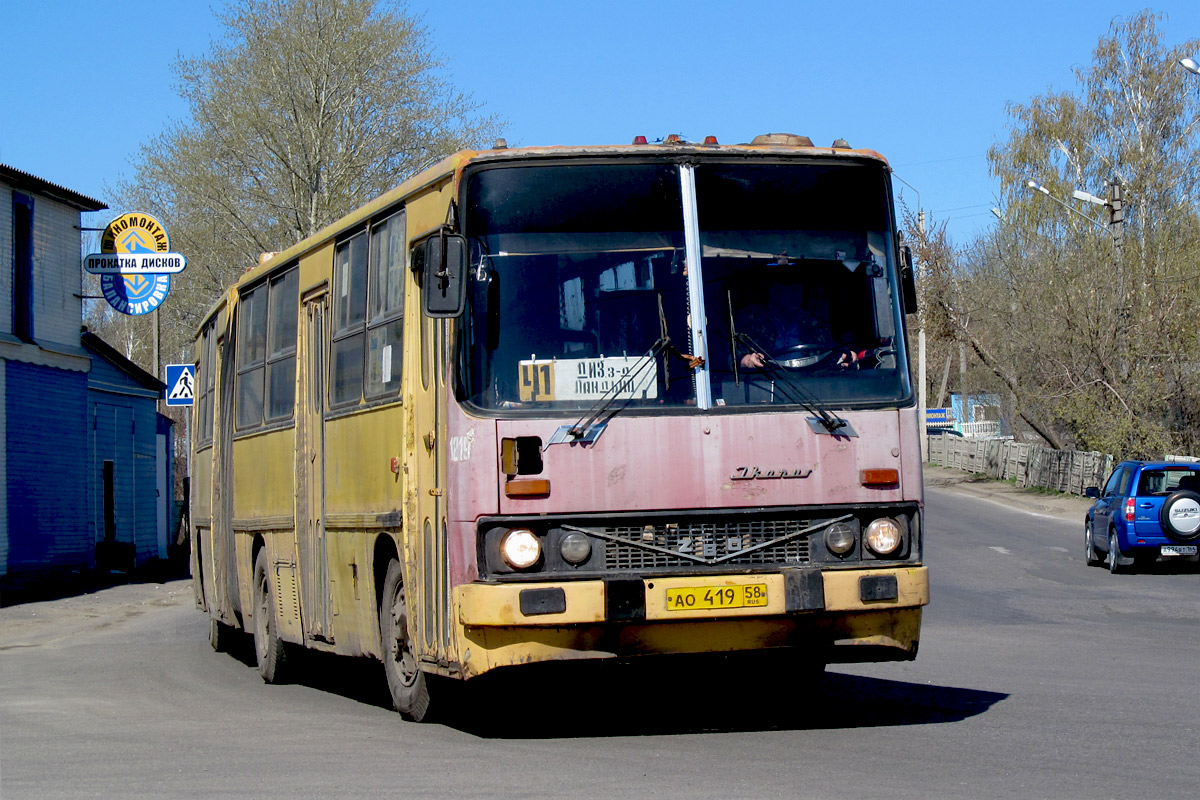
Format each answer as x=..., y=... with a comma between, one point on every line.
x=690, y=598
x=837, y=616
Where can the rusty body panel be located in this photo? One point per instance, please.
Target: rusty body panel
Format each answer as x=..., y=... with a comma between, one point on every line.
x=745, y=460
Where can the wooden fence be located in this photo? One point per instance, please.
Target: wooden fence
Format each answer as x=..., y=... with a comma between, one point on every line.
x=1029, y=465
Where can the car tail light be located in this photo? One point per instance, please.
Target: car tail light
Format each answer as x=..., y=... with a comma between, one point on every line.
x=1129, y=510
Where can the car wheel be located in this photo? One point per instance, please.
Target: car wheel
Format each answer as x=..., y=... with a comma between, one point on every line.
x=406, y=680
x=269, y=650
x=1090, y=555
x=1114, y=554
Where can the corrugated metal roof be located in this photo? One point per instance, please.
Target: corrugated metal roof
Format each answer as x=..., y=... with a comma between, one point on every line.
x=20, y=179
x=106, y=351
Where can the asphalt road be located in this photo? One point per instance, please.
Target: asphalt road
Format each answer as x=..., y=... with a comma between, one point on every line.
x=1038, y=677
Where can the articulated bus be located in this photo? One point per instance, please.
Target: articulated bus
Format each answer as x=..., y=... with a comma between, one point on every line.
x=553, y=403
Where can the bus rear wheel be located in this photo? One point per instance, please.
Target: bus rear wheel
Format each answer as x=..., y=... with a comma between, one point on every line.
x=269, y=650
x=406, y=681
x=222, y=637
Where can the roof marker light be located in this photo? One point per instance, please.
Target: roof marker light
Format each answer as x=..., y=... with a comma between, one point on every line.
x=639, y=140
x=710, y=140
x=672, y=138
x=787, y=139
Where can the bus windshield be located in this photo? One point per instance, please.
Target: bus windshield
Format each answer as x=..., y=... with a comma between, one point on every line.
x=579, y=287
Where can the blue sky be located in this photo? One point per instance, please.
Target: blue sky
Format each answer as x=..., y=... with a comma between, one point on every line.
x=84, y=84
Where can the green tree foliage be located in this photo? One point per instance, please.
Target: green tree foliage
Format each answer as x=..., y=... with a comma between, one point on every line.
x=1099, y=343
x=302, y=111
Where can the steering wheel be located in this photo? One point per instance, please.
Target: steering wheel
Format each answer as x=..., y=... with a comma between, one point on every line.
x=802, y=356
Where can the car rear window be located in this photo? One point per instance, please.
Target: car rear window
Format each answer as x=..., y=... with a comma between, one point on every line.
x=1166, y=480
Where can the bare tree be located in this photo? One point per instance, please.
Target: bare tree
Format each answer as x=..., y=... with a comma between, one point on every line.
x=957, y=318
x=1100, y=334
x=302, y=111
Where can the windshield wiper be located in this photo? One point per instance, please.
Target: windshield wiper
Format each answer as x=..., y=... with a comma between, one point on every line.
x=580, y=430
x=585, y=429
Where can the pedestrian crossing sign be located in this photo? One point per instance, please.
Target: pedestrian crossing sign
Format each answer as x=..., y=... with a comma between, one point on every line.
x=181, y=384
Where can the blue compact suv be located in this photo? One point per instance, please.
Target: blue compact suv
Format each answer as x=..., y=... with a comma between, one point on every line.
x=1147, y=509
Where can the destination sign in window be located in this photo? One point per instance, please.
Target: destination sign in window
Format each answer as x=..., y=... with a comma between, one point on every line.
x=622, y=377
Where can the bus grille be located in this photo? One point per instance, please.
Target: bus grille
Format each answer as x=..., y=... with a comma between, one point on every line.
x=628, y=548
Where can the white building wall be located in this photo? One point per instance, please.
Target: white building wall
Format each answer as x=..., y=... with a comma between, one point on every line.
x=57, y=274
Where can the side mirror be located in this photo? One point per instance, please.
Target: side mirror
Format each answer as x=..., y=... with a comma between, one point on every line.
x=443, y=288
x=908, y=279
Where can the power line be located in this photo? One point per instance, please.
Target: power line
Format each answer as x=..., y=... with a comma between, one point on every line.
x=959, y=208
x=938, y=161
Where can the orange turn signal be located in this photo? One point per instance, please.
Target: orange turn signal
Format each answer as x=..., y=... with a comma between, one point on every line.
x=538, y=487
x=880, y=478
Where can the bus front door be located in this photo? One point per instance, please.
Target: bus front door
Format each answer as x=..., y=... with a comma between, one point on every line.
x=310, y=471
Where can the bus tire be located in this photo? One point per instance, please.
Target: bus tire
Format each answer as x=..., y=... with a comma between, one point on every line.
x=220, y=635
x=407, y=683
x=269, y=650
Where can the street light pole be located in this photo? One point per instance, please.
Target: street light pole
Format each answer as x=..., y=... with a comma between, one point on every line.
x=1037, y=187
x=1116, y=219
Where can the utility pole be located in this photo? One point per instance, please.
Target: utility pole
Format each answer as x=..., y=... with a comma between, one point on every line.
x=1116, y=212
x=1116, y=227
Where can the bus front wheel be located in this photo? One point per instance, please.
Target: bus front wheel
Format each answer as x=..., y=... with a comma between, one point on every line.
x=406, y=681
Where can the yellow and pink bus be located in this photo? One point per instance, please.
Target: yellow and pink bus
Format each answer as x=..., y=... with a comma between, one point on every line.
x=556, y=403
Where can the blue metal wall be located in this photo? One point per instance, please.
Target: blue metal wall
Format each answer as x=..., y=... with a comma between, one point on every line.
x=124, y=423
x=47, y=446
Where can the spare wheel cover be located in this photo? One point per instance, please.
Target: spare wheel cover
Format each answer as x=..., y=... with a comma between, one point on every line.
x=1180, y=516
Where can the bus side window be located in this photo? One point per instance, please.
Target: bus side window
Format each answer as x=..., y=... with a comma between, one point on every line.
x=206, y=383
x=251, y=356
x=281, y=345
x=385, y=324
x=349, y=321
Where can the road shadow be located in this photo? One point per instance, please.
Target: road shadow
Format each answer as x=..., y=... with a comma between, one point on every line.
x=55, y=584
x=644, y=701
x=658, y=697
x=668, y=695
x=358, y=679
x=1165, y=566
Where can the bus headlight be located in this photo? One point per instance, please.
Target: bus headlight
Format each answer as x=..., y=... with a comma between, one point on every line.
x=575, y=548
x=883, y=536
x=520, y=548
x=839, y=538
